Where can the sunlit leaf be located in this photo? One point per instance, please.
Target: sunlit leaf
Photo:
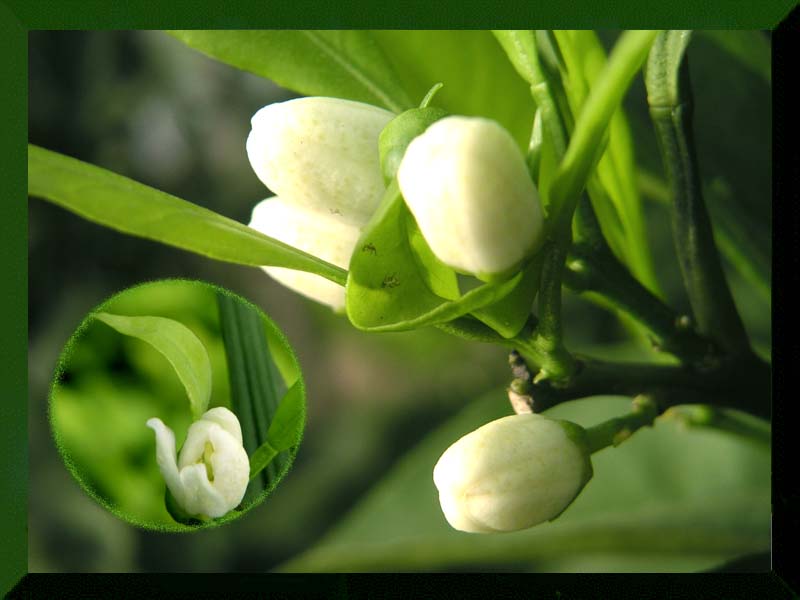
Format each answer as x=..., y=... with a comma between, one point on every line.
x=180, y=347
x=134, y=208
x=343, y=64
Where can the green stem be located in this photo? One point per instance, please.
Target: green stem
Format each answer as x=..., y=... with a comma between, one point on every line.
x=624, y=62
x=615, y=431
x=669, y=96
x=742, y=383
x=592, y=268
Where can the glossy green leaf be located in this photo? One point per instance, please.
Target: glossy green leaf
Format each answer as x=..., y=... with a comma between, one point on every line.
x=178, y=345
x=258, y=393
x=387, y=288
x=134, y=208
x=651, y=506
x=342, y=64
x=473, y=69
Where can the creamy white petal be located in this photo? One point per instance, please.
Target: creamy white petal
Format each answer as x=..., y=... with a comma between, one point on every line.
x=327, y=238
x=322, y=154
x=225, y=419
x=468, y=187
x=200, y=497
x=166, y=457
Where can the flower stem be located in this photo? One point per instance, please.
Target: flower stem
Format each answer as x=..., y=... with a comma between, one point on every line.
x=592, y=268
x=669, y=96
x=615, y=431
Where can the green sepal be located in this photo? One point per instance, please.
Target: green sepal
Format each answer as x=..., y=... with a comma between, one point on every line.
x=397, y=135
x=176, y=512
x=390, y=286
x=577, y=434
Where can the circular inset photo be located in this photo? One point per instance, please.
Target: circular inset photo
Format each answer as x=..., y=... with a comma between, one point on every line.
x=178, y=405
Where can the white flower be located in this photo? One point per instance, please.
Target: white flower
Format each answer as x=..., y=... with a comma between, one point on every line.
x=466, y=183
x=320, y=156
x=512, y=473
x=210, y=477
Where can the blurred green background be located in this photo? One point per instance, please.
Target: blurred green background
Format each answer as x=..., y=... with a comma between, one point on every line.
x=360, y=495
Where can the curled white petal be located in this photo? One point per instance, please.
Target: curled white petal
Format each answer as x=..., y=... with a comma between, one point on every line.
x=321, y=154
x=466, y=183
x=166, y=457
x=510, y=474
x=210, y=476
x=330, y=239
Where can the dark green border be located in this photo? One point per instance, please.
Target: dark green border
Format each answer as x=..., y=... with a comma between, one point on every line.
x=13, y=301
x=19, y=16
x=415, y=14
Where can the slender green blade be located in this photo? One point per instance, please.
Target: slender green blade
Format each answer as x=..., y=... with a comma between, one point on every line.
x=256, y=388
x=176, y=342
x=134, y=208
x=343, y=64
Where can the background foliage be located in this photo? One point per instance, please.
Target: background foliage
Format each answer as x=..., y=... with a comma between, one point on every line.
x=146, y=106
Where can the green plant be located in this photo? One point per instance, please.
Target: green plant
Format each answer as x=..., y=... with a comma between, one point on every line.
x=580, y=155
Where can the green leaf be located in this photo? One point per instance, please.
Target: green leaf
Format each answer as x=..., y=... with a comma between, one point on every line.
x=178, y=345
x=258, y=396
x=130, y=207
x=287, y=422
x=342, y=64
x=651, y=506
x=388, y=289
x=472, y=67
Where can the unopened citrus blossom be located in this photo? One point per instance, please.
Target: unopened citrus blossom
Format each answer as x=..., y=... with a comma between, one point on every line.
x=512, y=473
x=466, y=183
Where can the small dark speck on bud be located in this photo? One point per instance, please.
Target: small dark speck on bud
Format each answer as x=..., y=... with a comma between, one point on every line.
x=390, y=281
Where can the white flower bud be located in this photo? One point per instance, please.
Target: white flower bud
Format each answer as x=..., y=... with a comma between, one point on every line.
x=210, y=477
x=322, y=236
x=512, y=473
x=466, y=183
x=321, y=154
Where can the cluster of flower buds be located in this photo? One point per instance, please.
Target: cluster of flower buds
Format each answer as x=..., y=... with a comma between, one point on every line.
x=210, y=477
x=512, y=473
x=463, y=179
